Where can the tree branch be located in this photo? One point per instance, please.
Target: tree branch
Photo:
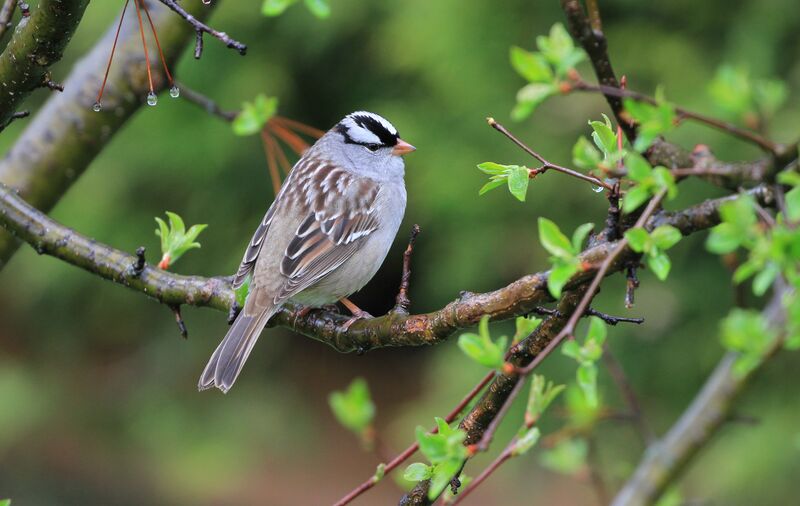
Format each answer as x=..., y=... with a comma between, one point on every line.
x=520, y=297
x=61, y=141
x=664, y=460
x=200, y=28
x=593, y=41
x=37, y=43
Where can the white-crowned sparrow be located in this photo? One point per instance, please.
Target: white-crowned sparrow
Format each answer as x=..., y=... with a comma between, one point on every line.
x=325, y=235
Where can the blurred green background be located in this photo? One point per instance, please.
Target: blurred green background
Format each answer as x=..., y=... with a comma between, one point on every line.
x=98, y=403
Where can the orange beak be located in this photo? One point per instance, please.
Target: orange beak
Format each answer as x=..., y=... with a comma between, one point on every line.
x=402, y=148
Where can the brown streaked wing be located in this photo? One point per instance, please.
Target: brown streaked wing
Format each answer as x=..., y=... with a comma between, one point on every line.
x=297, y=176
x=341, y=214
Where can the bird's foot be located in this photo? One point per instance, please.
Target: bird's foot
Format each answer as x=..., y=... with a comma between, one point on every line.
x=357, y=312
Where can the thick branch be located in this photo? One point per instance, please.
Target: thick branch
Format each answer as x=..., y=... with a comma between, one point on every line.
x=38, y=42
x=594, y=43
x=665, y=459
x=65, y=136
x=394, y=329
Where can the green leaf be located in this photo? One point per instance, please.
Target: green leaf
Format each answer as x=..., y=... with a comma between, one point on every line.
x=746, y=331
x=553, y=240
x=542, y=394
x=531, y=66
x=319, y=8
x=480, y=347
x=572, y=349
x=559, y=49
x=664, y=180
x=587, y=381
x=597, y=333
x=526, y=442
x=634, y=198
x=275, y=7
x=567, y=457
x=659, y=263
x=254, y=116
x=5, y=502
x=493, y=169
x=242, y=292
x=529, y=97
x=731, y=91
x=765, y=278
x=584, y=155
x=603, y=135
x=380, y=472
x=518, y=178
x=638, y=239
x=175, y=239
x=443, y=473
x=792, y=200
x=417, y=472
x=353, y=408
x=653, y=120
x=666, y=236
x=560, y=274
x=638, y=168
x=525, y=326
x=579, y=235
x=491, y=185
x=723, y=238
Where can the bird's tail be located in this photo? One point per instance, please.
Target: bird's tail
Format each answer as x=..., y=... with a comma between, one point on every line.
x=228, y=359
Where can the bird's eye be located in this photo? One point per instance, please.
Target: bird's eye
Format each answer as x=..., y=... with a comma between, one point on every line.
x=372, y=147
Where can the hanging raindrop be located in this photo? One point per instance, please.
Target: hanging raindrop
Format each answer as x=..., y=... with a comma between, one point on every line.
x=152, y=99
x=97, y=107
x=174, y=92
x=207, y=2
x=597, y=189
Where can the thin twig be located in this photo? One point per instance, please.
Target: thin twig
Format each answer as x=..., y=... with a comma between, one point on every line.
x=272, y=164
x=206, y=103
x=402, y=301
x=408, y=452
x=99, y=99
x=545, y=164
x=201, y=28
x=176, y=310
x=15, y=116
x=744, y=134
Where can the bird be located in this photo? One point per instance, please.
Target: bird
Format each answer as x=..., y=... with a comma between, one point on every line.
x=324, y=236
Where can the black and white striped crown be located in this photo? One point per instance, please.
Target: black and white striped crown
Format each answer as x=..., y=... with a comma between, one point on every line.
x=367, y=129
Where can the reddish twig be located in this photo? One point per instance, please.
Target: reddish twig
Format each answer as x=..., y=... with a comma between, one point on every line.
x=408, y=452
x=98, y=102
x=144, y=46
x=269, y=150
x=158, y=44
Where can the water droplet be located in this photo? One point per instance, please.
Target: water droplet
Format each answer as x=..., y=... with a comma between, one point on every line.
x=174, y=92
x=207, y=2
x=152, y=99
x=597, y=189
x=97, y=107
